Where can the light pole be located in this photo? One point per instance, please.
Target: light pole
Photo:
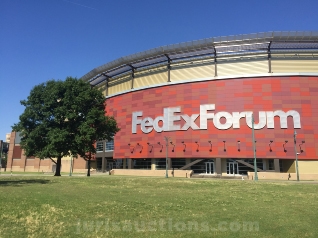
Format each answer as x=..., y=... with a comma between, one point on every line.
x=167, y=144
x=296, y=154
x=254, y=150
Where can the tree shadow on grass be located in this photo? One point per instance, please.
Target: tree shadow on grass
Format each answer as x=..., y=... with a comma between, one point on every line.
x=23, y=182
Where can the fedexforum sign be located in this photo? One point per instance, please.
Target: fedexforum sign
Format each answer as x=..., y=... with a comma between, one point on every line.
x=172, y=115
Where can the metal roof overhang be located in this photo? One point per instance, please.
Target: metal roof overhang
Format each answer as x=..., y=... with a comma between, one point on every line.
x=214, y=47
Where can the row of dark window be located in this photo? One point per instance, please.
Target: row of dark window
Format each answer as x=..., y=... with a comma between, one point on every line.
x=109, y=145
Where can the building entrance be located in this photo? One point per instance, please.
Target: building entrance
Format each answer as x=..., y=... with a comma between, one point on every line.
x=232, y=168
x=209, y=167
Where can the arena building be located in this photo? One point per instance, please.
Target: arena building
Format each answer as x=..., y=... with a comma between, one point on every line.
x=193, y=103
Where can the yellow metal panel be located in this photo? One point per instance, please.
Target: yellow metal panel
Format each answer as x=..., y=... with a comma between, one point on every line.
x=308, y=167
x=294, y=66
x=152, y=77
x=241, y=68
x=191, y=71
x=119, y=85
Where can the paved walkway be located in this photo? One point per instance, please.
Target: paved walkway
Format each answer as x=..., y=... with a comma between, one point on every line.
x=51, y=174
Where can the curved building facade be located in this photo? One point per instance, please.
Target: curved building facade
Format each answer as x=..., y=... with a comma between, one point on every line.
x=201, y=96
x=193, y=103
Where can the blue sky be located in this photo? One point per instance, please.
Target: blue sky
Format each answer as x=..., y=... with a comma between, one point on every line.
x=53, y=39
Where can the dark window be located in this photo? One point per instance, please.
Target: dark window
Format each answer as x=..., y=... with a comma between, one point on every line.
x=110, y=145
x=99, y=146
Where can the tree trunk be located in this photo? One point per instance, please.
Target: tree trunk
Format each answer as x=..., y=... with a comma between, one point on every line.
x=58, y=166
x=89, y=167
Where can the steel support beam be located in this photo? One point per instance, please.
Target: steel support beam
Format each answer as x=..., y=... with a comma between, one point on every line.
x=249, y=165
x=107, y=83
x=215, y=63
x=133, y=69
x=269, y=57
x=190, y=164
x=169, y=67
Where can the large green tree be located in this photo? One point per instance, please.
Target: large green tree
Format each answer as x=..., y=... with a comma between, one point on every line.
x=64, y=118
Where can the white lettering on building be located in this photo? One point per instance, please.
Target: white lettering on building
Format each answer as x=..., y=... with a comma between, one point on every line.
x=172, y=115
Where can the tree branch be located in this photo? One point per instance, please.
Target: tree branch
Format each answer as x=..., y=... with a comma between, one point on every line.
x=52, y=160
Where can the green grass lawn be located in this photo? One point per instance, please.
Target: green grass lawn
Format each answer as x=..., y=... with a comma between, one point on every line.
x=113, y=206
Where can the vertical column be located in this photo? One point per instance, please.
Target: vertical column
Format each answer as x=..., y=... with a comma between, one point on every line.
x=124, y=163
x=276, y=165
x=218, y=166
x=224, y=166
x=130, y=164
x=153, y=164
x=10, y=152
x=265, y=165
x=103, y=164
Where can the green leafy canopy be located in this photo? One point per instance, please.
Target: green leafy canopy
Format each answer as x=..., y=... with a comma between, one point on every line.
x=63, y=118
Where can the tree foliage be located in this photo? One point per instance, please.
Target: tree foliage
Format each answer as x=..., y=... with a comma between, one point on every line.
x=63, y=118
x=4, y=153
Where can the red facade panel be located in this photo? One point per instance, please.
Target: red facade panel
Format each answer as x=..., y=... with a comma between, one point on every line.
x=230, y=95
x=17, y=152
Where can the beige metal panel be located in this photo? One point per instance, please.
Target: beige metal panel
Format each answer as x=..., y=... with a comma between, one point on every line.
x=308, y=167
x=294, y=66
x=191, y=71
x=103, y=89
x=242, y=68
x=152, y=77
x=119, y=85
